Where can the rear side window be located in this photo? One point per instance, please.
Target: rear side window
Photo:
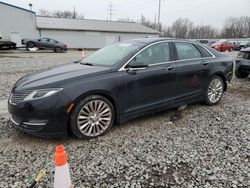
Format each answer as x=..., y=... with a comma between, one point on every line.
x=187, y=51
x=204, y=52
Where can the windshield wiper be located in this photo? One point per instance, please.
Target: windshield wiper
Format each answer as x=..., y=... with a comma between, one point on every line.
x=86, y=63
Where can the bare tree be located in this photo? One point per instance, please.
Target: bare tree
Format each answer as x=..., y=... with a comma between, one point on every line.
x=61, y=14
x=125, y=20
x=43, y=12
x=236, y=27
x=181, y=27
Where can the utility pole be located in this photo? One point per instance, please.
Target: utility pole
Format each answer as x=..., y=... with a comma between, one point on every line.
x=74, y=13
x=159, y=15
x=110, y=10
x=155, y=25
x=142, y=19
x=30, y=4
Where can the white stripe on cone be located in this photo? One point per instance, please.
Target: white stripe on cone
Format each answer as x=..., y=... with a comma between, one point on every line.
x=62, y=177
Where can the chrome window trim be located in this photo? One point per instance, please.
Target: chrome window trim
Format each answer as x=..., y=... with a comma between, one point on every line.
x=213, y=56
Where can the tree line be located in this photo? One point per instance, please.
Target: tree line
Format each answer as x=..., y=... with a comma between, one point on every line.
x=233, y=27
x=73, y=14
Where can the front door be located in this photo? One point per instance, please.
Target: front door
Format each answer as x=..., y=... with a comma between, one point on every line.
x=152, y=86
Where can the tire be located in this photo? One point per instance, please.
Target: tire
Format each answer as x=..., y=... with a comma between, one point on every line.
x=86, y=123
x=58, y=49
x=30, y=45
x=240, y=74
x=214, y=90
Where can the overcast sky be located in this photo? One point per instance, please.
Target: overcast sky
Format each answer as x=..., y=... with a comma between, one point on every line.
x=204, y=12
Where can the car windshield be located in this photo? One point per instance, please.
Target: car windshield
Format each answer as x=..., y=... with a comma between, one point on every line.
x=113, y=54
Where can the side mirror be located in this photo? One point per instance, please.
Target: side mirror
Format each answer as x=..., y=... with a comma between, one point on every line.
x=136, y=64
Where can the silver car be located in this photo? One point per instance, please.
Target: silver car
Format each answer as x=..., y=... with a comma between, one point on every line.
x=45, y=43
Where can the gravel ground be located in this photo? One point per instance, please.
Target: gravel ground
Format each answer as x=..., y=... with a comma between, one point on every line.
x=199, y=146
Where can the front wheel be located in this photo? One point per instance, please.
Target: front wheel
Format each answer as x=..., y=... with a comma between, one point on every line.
x=214, y=90
x=92, y=117
x=58, y=50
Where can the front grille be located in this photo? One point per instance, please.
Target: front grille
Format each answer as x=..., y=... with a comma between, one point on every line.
x=18, y=97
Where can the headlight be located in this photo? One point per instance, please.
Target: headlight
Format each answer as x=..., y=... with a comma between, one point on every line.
x=41, y=93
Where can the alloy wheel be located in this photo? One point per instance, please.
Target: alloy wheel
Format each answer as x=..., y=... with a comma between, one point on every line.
x=94, y=118
x=215, y=90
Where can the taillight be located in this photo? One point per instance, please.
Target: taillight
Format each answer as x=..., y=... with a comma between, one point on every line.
x=65, y=46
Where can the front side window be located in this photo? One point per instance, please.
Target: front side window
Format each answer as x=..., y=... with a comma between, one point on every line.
x=157, y=53
x=187, y=51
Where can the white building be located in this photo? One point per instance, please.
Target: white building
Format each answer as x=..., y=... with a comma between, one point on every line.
x=17, y=23
x=91, y=33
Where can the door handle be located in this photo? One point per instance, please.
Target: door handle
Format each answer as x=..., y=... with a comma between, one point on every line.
x=168, y=68
x=204, y=63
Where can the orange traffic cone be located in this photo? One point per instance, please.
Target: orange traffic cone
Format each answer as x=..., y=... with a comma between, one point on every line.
x=62, y=176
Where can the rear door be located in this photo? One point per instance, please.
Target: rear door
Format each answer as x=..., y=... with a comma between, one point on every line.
x=192, y=69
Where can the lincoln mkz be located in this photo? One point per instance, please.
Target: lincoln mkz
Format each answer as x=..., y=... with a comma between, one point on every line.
x=118, y=83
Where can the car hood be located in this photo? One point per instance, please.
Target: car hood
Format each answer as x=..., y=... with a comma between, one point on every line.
x=59, y=75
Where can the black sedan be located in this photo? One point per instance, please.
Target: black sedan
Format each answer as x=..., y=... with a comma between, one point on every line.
x=117, y=83
x=242, y=64
x=45, y=43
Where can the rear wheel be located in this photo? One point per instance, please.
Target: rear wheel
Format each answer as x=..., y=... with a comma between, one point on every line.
x=214, y=90
x=92, y=117
x=31, y=45
x=240, y=74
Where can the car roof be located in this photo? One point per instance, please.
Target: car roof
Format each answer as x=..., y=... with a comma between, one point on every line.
x=150, y=40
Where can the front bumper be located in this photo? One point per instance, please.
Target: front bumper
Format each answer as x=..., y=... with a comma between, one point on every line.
x=44, y=118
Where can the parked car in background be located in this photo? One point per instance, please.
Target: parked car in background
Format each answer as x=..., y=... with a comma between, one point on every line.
x=242, y=63
x=211, y=42
x=6, y=44
x=223, y=46
x=118, y=83
x=242, y=45
x=203, y=41
x=45, y=43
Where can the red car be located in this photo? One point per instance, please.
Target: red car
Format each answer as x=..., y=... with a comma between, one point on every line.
x=222, y=46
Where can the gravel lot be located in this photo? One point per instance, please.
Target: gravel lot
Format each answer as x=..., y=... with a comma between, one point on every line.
x=200, y=146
